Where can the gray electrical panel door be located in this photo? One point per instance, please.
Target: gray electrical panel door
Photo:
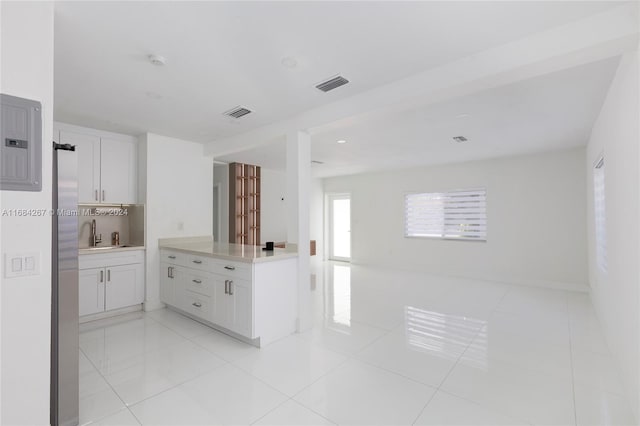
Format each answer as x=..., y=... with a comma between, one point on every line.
x=20, y=144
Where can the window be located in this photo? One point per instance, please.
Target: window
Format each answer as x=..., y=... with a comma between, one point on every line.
x=457, y=215
x=599, y=213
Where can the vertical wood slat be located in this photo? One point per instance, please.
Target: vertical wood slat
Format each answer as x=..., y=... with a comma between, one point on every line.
x=244, y=204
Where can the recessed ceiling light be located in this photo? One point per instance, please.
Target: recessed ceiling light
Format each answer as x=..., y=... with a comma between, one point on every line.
x=459, y=139
x=341, y=141
x=157, y=60
x=289, y=62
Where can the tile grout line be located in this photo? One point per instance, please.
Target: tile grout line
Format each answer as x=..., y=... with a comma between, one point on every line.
x=444, y=379
x=282, y=393
x=127, y=406
x=231, y=363
x=345, y=355
x=172, y=387
x=507, y=290
x=110, y=387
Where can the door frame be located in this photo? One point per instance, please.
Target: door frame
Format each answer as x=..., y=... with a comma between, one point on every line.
x=217, y=227
x=330, y=197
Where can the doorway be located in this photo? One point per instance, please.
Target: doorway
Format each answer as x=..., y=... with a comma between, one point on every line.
x=339, y=227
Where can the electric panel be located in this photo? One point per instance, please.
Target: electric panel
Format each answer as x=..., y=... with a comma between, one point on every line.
x=20, y=144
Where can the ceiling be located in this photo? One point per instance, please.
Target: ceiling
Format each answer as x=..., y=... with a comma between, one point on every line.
x=223, y=54
x=549, y=112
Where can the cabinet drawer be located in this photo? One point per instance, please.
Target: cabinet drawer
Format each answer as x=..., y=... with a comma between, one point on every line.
x=232, y=269
x=101, y=260
x=198, y=262
x=197, y=304
x=199, y=282
x=173, y=257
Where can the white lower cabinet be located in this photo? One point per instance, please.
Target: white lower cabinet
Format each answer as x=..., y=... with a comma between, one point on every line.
x=219, y=298
x=253, y=301
x=91, y=291
x=240, y=306
x=232, y=306
x=110, y=281
x=124, y=286
x=170, y=277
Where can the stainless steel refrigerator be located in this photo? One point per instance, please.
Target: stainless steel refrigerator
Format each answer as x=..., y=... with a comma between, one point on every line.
x=64, y=288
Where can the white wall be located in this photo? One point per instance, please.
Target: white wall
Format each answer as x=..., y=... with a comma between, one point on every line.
x=536, y=219
x=177, y=192
x=615, y=293
x=273, y=210
x=27, y=71
x=221, y=177
x=317, y=219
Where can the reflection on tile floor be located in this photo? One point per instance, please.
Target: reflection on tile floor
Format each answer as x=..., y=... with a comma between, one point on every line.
x=387, y=347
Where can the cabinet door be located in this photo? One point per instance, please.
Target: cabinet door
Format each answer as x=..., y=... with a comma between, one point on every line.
x=169, y=276
x=123, y=286
x=118, y=171
x=91, y=291
x=240, y=307
x=88, y=149
x=221, y=302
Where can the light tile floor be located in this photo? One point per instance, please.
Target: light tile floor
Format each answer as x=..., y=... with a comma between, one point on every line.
x=387, y=347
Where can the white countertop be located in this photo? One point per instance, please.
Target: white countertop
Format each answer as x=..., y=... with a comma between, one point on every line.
x=238, y=252
x=107, y=249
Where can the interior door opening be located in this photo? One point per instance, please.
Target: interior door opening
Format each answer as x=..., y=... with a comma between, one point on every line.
x=340, y=227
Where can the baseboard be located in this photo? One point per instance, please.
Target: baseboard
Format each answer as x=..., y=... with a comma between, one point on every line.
x=153, y=305
x=553, y=285
x=109, y=314
x=253, y=342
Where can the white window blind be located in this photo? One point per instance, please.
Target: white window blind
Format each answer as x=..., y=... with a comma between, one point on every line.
x=599, y=213
x=459, y=215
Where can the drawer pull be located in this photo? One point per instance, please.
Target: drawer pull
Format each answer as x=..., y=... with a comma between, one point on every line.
x=197, y=261
x=197, y=281
x=172, y=257
x=230, y=268
x=197, y=305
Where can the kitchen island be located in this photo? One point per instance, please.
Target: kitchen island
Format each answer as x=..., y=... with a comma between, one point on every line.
x=238, y=289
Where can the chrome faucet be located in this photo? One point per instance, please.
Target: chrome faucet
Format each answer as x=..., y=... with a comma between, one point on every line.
x=95, y=240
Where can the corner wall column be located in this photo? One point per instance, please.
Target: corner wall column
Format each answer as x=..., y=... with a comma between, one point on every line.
x=298, y=221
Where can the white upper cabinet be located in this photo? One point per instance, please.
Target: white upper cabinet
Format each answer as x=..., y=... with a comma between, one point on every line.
x=88, y=149
x=118, y=171
x=107, y=165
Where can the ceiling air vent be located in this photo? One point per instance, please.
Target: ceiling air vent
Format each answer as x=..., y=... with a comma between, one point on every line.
x=237, y=112
x=332, y=83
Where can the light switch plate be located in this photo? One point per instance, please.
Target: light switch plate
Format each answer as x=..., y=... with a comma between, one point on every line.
x=21, y=264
